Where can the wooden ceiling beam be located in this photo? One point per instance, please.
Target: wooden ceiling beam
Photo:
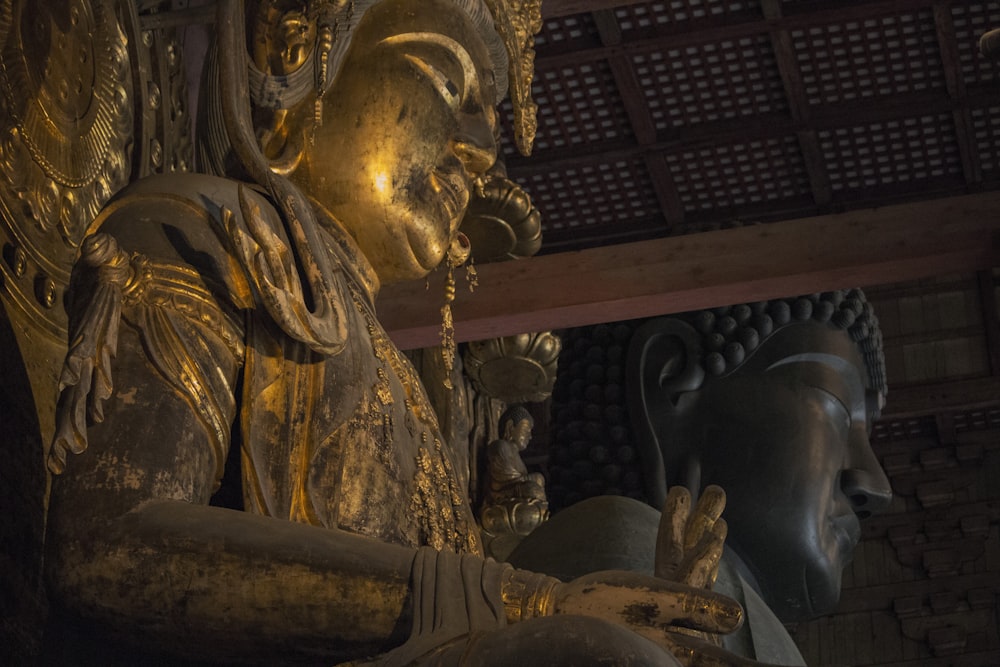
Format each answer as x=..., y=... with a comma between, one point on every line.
x=872, y=246
x=798, y=105
x=845, y=114
x=643, y=126
x=770, y=211
x=991, y=318
x=556, y=8
x=715, y=29
x=944, y=26
x=939, y=397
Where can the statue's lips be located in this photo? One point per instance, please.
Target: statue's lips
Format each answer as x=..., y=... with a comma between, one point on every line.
x=443, y=206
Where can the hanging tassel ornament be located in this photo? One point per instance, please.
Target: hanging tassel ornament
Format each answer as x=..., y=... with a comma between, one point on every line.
x=458, y=253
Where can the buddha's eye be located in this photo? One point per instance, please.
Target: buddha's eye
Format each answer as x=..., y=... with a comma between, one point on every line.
x=835, y=408
x=446, y=88
x=445, y=62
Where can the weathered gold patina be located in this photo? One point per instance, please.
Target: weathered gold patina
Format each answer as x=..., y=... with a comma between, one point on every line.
x=223, y=336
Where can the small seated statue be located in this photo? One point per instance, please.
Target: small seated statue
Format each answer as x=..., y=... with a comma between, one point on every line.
x=515, y=502
x=224, y=335
x=773, y=402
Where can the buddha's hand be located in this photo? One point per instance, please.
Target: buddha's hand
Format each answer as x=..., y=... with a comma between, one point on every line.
x=689, y=543
x=675, y=616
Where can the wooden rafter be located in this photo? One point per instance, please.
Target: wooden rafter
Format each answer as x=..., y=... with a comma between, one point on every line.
x=555, y=8
x=798, y=104
x=945, y=28
x=874, y=246
x=717, y=29
x=991, y=318
x=844, y=114
x=643, y=127
x=931, y=399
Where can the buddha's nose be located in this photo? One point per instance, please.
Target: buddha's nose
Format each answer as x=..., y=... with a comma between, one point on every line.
x=475, y=144
x=865, y=483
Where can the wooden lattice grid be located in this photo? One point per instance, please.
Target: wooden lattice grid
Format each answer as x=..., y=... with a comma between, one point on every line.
x=650, y=16
x=567, y=32
x=710, y=82
x=901, y=150
x=578, y=104
x=735, y=175
x=880, y=56
x=986, y=131
x=890, y=430
x=611, y=193
x=971, y=20
x=705, y=76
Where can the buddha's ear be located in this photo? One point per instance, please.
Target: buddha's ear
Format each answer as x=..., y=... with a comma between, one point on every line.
x=665, y=362
x=281, y=42
x=282, y=142
x=663, y=366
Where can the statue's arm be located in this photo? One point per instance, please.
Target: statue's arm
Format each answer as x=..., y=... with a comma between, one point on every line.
x=133, y=544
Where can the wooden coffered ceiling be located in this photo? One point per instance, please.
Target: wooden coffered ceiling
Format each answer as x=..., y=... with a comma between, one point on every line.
x=852, y=129
x=667, y=117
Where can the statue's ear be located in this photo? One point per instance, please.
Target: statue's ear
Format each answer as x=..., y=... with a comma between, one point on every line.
x=665, y=362
x=663, y=365
x=281, y=143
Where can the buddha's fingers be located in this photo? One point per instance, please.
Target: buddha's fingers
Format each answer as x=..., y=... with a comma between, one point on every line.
x=670, y=539
x=706, y=513
x=701, y=564
x=638, y=601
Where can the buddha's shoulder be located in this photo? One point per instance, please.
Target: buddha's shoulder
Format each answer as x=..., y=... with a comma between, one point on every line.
x=183, y=221
x=176, y=216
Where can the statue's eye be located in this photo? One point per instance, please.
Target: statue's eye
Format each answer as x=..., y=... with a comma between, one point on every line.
x=445, y=86
x=835, y=407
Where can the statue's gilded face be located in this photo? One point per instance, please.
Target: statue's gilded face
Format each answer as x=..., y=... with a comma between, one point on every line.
x=786, y=436
x=407, y=126
x=519, y=433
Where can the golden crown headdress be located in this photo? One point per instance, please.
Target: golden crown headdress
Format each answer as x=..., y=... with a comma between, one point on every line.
x=516, y=22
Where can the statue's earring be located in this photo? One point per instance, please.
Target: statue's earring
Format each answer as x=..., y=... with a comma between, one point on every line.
x=458, y=253
x=327, y=35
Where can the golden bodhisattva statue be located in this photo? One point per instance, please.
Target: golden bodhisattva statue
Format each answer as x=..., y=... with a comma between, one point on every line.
x=223, y=324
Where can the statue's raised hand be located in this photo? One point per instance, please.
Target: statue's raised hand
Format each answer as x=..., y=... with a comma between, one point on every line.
x=689, y=542
x=675, y=609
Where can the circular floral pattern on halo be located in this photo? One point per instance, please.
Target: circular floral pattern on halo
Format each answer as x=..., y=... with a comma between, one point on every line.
x=514, y=369
x=501, y=222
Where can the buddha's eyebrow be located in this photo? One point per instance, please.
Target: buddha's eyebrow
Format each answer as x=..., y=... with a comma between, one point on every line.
x=470, y=78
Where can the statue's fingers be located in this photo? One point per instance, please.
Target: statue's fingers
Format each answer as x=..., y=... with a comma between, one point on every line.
x=706, y=512
x=638, y=601
x=698, y=609
x=670, y=539
x=721, y=531
x=692, y=651
x=701, y=563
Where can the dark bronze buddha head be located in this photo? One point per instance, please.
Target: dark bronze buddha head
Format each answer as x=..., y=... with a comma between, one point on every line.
x=773, y=402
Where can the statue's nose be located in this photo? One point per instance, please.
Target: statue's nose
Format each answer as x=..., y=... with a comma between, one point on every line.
x=868, y=490
x=475, y=144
